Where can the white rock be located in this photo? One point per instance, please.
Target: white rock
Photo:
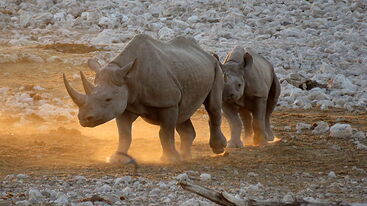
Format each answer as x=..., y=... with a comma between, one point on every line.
x=332, y=174
x=34, y=195
x=321, y=128
x=23, y=203
x=205, y=177
x=154, y=192
x=105, y=188
x=61, y=199
x=54, y=59
x=341, y=131
x=166, y=33
x=359, y=135
x=287, y=128
x=126, y=191
x=252, y=174
x=34, y=58
x=360, y=145
x=195, y=202
x=182, y=177
x=288, y=198
x=22, y=176
x=301, y=127
x=193, y=19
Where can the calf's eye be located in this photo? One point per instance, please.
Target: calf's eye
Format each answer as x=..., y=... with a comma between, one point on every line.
x=108, y=99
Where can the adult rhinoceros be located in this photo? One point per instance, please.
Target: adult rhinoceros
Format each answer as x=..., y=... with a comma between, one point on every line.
x=162, y=82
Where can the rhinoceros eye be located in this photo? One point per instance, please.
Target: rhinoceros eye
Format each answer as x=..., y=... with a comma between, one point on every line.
x=239, y=85
x=108, y=99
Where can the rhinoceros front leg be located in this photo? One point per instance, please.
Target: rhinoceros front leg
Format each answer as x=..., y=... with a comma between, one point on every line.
x=168, y=119
x=187, y=135
x=246, y=117
x=230, y=112
x=124, y=123
x=259, y=111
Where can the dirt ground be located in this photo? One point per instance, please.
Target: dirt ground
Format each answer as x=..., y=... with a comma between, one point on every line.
x=69, y=149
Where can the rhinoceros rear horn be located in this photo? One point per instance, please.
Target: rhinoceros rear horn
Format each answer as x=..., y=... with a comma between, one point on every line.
x=94, y=65
x=78, y=98
x=88, y=87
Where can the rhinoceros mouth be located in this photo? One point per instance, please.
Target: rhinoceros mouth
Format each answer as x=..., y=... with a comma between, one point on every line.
x=92, y=123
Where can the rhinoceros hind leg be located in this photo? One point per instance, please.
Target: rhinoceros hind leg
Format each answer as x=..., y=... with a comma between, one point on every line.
x=213, y=105
x=271, y=103
x=259, y=112
x=230, y=112
x=187, y=135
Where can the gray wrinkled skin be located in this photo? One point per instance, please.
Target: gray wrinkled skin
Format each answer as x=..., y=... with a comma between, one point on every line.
x=164, y=83
x=250, y=94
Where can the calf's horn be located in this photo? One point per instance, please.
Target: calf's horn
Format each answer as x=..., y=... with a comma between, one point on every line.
x=88, y=87
x=78, y=98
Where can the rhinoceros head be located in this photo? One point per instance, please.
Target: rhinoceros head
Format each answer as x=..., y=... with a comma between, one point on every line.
x=105, y=99
x=234, y=82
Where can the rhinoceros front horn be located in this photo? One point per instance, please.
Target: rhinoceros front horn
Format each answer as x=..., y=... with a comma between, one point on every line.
x=88, y=87
x=78, y=98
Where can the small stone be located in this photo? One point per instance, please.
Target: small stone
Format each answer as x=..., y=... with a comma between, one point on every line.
x=341, y=130
x=34, y=195
x=252, y=174
x=321, y=128
x=288, y=198
x=205, y=177
x=166, y=33
x=182, y=177
x=359, y=135
x=287, y=128
x=154, y=192
x=301, y=127
x=22, y=176
x=331, y=174
x=105, y=188
x=22, y=203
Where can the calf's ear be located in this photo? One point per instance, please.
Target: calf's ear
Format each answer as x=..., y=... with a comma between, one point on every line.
x=217, y=57
x=247, y=59
x=94, y=65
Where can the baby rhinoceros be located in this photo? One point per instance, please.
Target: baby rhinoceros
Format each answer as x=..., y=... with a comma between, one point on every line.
x=162, y=82
x=250, y=94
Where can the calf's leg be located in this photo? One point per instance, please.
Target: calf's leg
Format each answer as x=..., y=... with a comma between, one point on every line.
x=230, y=112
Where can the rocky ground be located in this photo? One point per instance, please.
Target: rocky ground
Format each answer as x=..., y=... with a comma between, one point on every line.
x=322, y=124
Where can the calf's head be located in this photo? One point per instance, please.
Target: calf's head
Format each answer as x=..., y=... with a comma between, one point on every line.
x=105, y=99
x=234, y=75
x=234, y=82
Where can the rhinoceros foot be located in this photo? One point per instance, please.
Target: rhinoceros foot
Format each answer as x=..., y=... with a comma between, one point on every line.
x=173, y=157
x=260, y=141
x=218, y=143
x=235, y=144
x=117, y=158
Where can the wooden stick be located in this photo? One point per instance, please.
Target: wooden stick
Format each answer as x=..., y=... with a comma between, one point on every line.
x=225, y=199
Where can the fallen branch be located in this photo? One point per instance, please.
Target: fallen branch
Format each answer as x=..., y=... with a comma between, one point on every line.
x=223, y=198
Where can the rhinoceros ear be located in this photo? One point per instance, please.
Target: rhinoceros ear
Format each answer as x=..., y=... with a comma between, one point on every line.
x=122, y=73
x=247, y=59
x=217, y=57
x=94, y=65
